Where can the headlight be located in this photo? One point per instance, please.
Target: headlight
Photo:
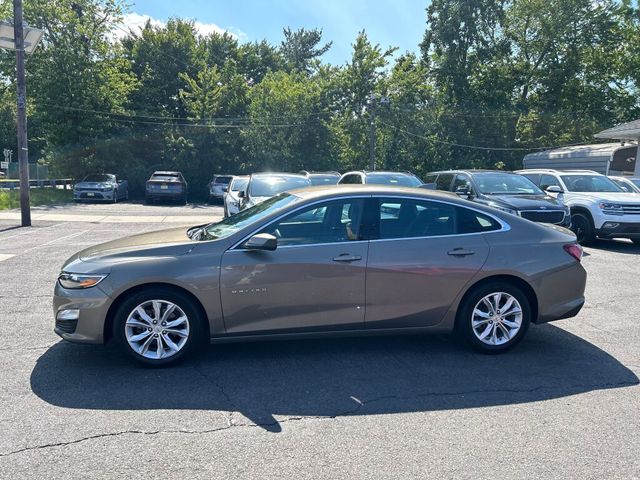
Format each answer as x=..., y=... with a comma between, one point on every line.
x=504, y=209
x=612, y=208
x=79, y=280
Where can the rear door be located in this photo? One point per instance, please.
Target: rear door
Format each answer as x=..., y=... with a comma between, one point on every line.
x=421, y=256
x=314, y=280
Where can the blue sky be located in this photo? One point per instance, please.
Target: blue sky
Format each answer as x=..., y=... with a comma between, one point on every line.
x=399, y=23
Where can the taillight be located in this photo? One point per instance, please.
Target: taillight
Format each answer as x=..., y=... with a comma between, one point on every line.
x=574, y=249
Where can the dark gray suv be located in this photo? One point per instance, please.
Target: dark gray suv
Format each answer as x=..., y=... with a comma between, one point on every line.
x=505, y=191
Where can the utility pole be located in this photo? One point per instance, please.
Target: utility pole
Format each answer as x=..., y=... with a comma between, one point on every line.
x=373, y=101
x=21, y=116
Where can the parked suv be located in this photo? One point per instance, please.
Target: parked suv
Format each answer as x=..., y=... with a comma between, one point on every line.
x=396, y=179
x=505, y=191
x=599, y=207
x=218, y=187
x=163, y=185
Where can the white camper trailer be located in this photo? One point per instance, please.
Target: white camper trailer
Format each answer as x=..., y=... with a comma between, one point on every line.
x=606, y=158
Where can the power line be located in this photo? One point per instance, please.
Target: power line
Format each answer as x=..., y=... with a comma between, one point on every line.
x=476, y=147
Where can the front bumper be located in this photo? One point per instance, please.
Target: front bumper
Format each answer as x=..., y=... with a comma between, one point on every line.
x=93, y=195
x=619, y=229
x=92, y=305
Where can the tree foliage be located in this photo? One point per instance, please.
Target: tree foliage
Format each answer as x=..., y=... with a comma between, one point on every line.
x=491, y=80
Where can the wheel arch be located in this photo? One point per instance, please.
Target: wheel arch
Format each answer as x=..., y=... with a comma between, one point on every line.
x=108, y=324
x=522, y=284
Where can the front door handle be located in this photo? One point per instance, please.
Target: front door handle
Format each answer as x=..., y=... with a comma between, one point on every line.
x=345, y=257
x=460, y=252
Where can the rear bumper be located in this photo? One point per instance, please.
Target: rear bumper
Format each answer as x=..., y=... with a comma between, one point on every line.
x=618, y=229
x=164, y=195
x=561, y=293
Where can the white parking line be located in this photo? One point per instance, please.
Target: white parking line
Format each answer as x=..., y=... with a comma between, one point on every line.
x=77, y=234
x=5, y=256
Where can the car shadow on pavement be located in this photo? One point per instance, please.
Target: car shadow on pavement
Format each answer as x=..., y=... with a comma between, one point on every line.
x=617, y=246
x=272, y=382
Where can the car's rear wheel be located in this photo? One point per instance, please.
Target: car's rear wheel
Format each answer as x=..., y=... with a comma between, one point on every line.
x=494, y=317
x=158, y=327
x=582, y=226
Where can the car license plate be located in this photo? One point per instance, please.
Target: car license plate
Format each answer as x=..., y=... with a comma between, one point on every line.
x=164, y=187
x=91, y=194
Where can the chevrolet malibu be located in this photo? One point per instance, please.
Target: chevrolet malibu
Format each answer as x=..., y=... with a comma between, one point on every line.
x=324, y=261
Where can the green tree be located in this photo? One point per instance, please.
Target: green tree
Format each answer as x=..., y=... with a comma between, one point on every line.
x=301, y=49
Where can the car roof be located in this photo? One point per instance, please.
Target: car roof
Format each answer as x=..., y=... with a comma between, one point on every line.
x=166, y=172
x=368, y=189
x=558, y=172
x=380, y=172
x=472, y=171
x=277, y=174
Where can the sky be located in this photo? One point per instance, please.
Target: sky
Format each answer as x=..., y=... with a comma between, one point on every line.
x=398, y=23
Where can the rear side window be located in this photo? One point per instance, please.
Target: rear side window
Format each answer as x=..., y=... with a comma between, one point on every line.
x=431, y=178
x=412, y=218
x=547, y=181
x=444, y=181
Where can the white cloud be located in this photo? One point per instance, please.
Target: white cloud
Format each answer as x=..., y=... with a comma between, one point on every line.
x=135, y=21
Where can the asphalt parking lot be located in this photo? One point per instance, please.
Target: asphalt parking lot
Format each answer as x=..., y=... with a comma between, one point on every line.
x=563, y=404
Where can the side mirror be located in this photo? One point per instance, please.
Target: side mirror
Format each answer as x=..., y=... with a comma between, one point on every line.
x=261, y=241
x=463, y=191
x=553, y=189
x=241, y=194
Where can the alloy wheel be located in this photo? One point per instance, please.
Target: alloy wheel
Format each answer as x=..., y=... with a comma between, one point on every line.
x=496, y=318
x=157, y=329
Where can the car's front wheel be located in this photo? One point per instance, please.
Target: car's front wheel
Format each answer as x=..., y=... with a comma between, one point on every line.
x=494, y=317
x=582, y=226
x=159, y=326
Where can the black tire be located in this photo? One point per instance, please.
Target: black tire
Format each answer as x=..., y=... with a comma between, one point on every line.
x=197, y=330
x=582, y=226
x=466, y=312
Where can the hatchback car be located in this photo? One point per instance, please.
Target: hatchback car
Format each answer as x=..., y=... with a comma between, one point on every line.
x=263, y=186
x=101, y=186
x=319, y=262
x=505, y=191
x=165, y=185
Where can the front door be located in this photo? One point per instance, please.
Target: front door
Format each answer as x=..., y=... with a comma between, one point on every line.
x=314, y=280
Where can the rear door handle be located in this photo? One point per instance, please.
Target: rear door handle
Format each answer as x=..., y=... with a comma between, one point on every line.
x=460, y=252
x=345, y=257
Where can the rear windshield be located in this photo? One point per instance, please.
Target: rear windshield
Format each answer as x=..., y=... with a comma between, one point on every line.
x=268, y=186
x=505, y=184
x=165, y=178
x=393, y=179
x=317, y=179
x=222, y=180
x=98, y=178
x=590, y=183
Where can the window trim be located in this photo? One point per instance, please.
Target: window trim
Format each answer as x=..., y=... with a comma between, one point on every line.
x=504, y=226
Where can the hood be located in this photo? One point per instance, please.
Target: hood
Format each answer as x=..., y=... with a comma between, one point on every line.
x=174, y=240
x=615, y=197
x=526, y=202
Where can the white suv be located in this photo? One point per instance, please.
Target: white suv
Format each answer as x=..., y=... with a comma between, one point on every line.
x=599, y=207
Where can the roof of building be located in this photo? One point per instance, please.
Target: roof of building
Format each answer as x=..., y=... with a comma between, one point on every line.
x=624, y=131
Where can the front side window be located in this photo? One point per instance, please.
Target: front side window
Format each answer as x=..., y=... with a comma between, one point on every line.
x=461, y=180
x=411, y=218
x=590, y=183
x=327, y=222
x=239, y=184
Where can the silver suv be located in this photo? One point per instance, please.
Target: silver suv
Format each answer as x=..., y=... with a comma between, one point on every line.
x=599, y=207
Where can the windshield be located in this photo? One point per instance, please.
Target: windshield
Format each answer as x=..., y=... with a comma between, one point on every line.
x=268, y=186
x=393, y=179
x=324, y=179
x=239, y=184
x=505, y=184
x=590, y=183
x=98, y=178
x=234, y=223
